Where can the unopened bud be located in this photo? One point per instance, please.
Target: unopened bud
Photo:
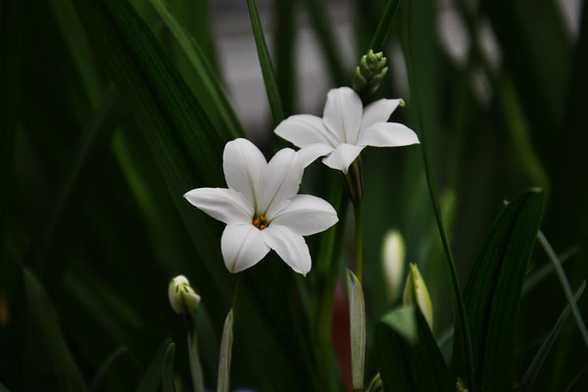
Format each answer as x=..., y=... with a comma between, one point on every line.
x=460, y=386
x=393, y=259
x=182, y=297
x=370, y=73
x=416, y=292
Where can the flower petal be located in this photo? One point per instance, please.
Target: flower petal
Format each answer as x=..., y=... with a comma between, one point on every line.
x=281, y=180
x=242, y=246
x=310, y=153
x=379, y=111
x=306, y=215
x=387, y=135
x=343, y=157
x=304, y=129
x=225, y=205
x=289, y=246
x=342, y=114
x=243, y=165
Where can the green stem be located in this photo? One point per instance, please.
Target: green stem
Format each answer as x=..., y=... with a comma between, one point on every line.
x=195, y=367
x=358, y=241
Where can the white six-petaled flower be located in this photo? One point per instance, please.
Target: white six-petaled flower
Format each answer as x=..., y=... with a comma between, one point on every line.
x=346, y=128
x=262, y=207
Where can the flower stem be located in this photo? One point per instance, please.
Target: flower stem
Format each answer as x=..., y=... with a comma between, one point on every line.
x=195, y=366
x=358, y=241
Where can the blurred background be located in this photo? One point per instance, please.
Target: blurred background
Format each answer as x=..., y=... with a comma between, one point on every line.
x=112, y=109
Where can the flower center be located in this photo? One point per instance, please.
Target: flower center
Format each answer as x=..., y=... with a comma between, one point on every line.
x=260, y=221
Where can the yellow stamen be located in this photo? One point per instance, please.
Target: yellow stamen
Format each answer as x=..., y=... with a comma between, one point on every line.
x=260, y=221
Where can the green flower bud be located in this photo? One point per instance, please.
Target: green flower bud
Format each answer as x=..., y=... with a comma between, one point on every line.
x=370, y=73
x=182, y=297
x=416, y=292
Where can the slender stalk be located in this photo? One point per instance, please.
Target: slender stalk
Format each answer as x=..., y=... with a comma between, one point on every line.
x=195, y=367
x=461, y=310
x=565, y=285
x=358, y=241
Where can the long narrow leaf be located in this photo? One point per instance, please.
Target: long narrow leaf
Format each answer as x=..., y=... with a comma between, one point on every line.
x=326, y=36
x=48, y=352
x=565, y=285
x=104, y=122
x=267, y=69
x=382, y=34
x=226, y=350
x=494, y=290
x=538, y=361
x=416, y=85
x=105, y=367
x=409, y=358
x=151, y=380
x=357, y=330
x=167, y=370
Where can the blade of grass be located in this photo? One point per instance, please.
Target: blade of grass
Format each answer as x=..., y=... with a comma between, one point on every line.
x=382, y=34
x=565, y=285
x=538, y=361
x=357, y=329
x=574, y=382
x=267, y=70
x=207, y=88
x=99, y=129
x=461, y=310
x=151, y=380
x=320, y=23
x=46, y=349
x=539, y=275
x=106, y=366
x=226, y=352
x=167, y=370
x=285, y=52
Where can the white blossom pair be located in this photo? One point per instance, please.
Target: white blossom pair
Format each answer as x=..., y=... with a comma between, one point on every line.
x=262, y=208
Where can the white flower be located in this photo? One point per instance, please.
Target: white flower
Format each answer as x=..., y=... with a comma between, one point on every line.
x=346, y=128
x=262, y=209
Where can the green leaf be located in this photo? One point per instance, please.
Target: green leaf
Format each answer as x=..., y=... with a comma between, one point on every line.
x=271, y=87
x=99, y=130
x=409, y=359
x=416, y=30
x=152, y=378
x=105, y=367
x=46, y=352
x=226, y=350
x=538, y=361
x=284, y=48
x=357, y=329
x=565, y=286
x=319, y=20
x=494, y=290
x=167, y=370
x=539, y=275
x=199, y=74
x=3, y=388
x=382, y=34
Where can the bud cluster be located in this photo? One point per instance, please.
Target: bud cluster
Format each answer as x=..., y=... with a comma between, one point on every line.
x=369, y=74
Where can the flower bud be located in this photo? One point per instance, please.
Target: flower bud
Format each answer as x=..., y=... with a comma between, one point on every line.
x=393, y=260
x=415, y=291
x=182, y=297
x=369, y=74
